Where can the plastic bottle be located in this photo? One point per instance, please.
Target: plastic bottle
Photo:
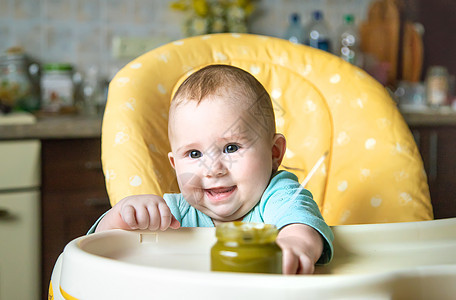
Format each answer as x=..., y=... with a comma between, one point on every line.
x=294, y=32
x=348, y=44
x=318, y=32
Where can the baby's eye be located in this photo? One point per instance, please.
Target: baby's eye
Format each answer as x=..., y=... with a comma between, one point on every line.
x=195, y=154
x=231, y=148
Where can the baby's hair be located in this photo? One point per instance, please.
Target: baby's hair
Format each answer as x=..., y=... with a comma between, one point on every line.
x=232, y=83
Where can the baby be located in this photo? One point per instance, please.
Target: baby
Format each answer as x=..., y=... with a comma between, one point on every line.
x=226, y=154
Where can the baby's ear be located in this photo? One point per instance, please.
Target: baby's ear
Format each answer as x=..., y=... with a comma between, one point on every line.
x=171, y=159
x=279, y=145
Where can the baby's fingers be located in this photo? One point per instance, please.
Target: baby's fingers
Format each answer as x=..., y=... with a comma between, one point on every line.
x=166, y=218
x=306, y=265
x=290, y=262
x=174, y=223
x=128, y=215
x=143, y=217
x=294, y=264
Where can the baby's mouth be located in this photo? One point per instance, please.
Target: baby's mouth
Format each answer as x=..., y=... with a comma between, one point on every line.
x=219, y=193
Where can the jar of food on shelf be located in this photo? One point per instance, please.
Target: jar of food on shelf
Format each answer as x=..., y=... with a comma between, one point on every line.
x=17, y=91
x=437, y=86
x=57, y=87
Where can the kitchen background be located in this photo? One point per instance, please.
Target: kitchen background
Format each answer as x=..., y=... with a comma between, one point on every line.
x=67, y=191
x=81, y=32
x=84, y=33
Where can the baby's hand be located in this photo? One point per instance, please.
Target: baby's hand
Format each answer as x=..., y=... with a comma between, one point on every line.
x=301, y=248
x=139, y=212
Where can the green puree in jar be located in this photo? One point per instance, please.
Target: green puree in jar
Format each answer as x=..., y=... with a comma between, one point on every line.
x=246, y=247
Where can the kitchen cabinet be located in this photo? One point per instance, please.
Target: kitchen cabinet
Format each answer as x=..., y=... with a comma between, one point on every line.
x=19, y=219
x=437, y=17
x=437, y=144
x=73, y=195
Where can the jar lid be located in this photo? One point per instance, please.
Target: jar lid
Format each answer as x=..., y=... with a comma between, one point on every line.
x=6, y=58
x=246, y=233
x=58, y=67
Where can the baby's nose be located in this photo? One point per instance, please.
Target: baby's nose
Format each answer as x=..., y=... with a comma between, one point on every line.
x=216, y=168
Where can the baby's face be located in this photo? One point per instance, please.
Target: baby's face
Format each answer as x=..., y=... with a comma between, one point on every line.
x=223, y=161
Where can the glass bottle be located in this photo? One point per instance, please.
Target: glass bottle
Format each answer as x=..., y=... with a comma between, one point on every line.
x=246, y=247
x=348, y=47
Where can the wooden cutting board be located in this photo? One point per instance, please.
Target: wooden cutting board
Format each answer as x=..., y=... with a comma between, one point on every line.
x=380, y=35
x=412, y=52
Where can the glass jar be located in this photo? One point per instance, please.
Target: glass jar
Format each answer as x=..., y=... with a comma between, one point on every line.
x=246, y=247
x=16, y=87
x=437, y=86
x=57, y=88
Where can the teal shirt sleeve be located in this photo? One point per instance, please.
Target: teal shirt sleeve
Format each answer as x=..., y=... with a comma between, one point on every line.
x=277, y=206
x=186, y=214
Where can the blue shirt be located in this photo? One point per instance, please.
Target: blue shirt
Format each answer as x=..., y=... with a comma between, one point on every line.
x=277, y=206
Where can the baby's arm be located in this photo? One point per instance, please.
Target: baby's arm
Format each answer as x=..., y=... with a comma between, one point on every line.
x=301, y=246
x=139, y=212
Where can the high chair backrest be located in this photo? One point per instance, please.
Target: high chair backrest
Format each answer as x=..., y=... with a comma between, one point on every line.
x=373, y=172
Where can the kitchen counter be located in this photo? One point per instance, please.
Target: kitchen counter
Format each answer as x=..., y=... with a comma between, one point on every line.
x=430, y=117
x=79, y=126
x=54, y=127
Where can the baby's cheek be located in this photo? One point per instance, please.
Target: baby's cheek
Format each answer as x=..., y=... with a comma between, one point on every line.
x=188, y=180
x=190, y=186
x=194, y=197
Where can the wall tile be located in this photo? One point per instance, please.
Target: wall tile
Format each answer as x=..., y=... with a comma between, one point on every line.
x=6, y=36
x=118, y=11
x=28, y=35
x=147, y=12
x=59, y=9
x=27, y=9
x=5, y=11
x=81, y=31
x=88, y=11
x=87, y=37
x=59, y=43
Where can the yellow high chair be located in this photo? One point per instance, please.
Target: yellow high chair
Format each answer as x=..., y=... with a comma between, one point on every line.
x=372, y=174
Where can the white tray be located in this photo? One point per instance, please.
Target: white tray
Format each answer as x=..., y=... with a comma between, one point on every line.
x=415, y=260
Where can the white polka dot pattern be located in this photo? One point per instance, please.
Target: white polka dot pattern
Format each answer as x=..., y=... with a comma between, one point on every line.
x=135, y=181
x=373, y=171
x=136, y=65
x=121, y=138
x=376, y=201
x=342, y=186
x=276, y=93
x=370, y=143
x=121, y=81
x=334, y=79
